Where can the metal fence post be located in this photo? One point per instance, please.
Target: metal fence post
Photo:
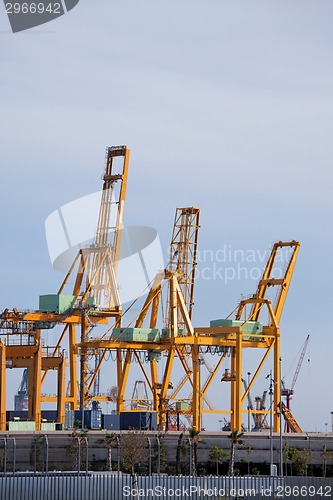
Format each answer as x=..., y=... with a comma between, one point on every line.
x=191, y=458
x=149, y=445
x=47, y=455
x=14, y=458
x=158, y=455
x=118, y=453
x=5, y=455
x=87, y=451
x=78, y=455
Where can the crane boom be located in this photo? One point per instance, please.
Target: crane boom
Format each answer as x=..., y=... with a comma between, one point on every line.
x=183, y=254
x=288, y=393
x=300, y=361
x=267, y=281
x=104, y=261
x=289, y=418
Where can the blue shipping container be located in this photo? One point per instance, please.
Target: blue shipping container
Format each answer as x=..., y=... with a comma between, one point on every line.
x=92, y=418
x=141, y=420
x=49, y=415
x=69, y=419
x=111, y=422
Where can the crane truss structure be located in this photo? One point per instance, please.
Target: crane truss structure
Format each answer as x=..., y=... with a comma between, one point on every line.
x=235, y=335
x=95, y=270
x=183, y=256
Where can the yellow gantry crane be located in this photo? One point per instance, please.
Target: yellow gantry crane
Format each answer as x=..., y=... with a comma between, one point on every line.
x=225, y=334
x=96, y=276
x=178, y=278
x=258, y=303
x=93, y=301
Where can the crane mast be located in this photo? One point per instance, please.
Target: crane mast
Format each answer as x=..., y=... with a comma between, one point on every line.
x=183, y=257
x=97, y=271
x=183, y=262
x=267, y=281
x=106, y=248
x=102, y=258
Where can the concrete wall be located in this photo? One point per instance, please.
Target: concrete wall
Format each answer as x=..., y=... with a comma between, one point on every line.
x=63, y=449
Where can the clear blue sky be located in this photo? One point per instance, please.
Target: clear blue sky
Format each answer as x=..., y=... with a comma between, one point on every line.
x=226, y=105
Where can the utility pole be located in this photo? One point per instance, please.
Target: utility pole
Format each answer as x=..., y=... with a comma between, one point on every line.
x=271, y=392
x=281, y=442
x=248, y=403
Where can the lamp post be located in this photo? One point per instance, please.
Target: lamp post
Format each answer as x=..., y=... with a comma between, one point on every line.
x=149, y=445
x=281, y=443
x=272, y=381
x=248, y=403
x=326, y=424
x=332, y=421
x=271, y=422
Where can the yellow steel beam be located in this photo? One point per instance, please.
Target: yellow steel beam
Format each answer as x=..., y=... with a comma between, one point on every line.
x=56, y=349
x=186, y=377
x=225, y=412
x=238, y=383
x=165, y=386
x=279, y=304
x=99, y=365
x=61, y=391
x=80, y=274
x=196, y=399
x=20, y=351
x=277, y=380
x=119, y=361
x=97, y=317
x=233, y=393
x=154, y=381
x=83, y=362
x=49, y=363
x=262, y=362
x=212, y=375
x=173, y=307
x=154, y=307
x=36, y=378
x=69, y=273
x=165, y=344
x=182, y=308
x=121, y=201
x=73, y=392
x=123, y=381
x=152, y=297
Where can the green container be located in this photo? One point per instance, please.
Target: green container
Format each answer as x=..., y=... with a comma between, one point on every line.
x=22, y=426
x=181, y=405
x=62, y=304
x=48, y=426
x=136, y=334
x=166, y=332
x=250, y=328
